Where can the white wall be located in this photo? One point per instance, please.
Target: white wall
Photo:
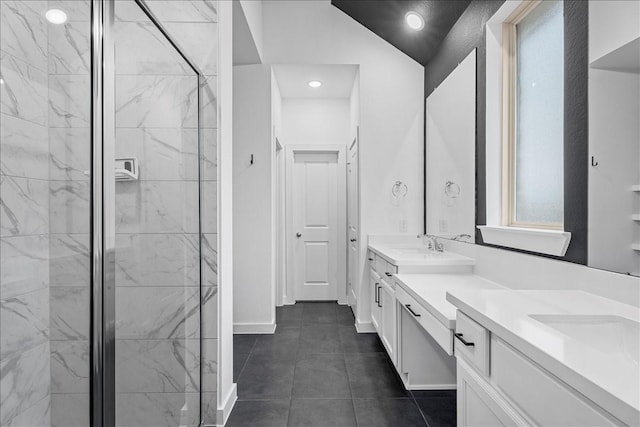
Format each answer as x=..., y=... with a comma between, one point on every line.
x=354, y=108
x=253, y=14
x=391, y=107
x=254, y=302
x=227, y=394
x=315, y=121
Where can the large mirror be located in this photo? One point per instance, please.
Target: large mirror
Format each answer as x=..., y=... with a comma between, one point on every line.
x=614, y=136
x=451, y=154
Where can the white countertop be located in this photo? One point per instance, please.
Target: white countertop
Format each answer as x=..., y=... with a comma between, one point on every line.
x=400, y=254
x=430, y=290
x=608, y=377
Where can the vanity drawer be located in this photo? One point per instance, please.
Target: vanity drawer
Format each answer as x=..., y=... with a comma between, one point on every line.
x=524, y=383
x=476, y=337
x=439, y=332
x=371, y=259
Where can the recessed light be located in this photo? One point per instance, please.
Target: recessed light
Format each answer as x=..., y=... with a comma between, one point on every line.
x=56, y=16
x=414, y=20
x=315, y=83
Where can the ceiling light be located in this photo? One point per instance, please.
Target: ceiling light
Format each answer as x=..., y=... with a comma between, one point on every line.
x=56, y=16
x=315, y=83
x=414, y=20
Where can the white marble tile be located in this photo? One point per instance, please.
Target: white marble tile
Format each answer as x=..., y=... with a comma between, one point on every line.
x=69, y=101
x=23, y=32
x=199, y=42
x=69, y=207
x=210, y=365
x=70, y=263
x=156, y=101
x=184, y=10
x=157, y=207
x=70, y=410
x=157, y=260
x=210, y=154
x=69, y=154
x=157, y=312
x=210, y=259
x=25, y=322
x=24, y=207
x=24, y=91
x=157, y=366
x=24, y=265
x=70, y=313
x=129, y=11
x=209, y=94
x=70, y=48
x=209, y=312
x=157, y=409
x=25, y=383
x=24, y=151
x=70, y=367
x=210, y=408
x=163, y=153
x=141, y=49
x=37, y=415
x=209, y=207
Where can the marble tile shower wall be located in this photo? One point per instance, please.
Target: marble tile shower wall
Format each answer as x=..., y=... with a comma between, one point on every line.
x=158, y=322
x=25, y=328
x=69, y=204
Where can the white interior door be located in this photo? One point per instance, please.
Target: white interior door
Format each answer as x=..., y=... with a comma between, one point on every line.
x=317, y=234
x=352, y=222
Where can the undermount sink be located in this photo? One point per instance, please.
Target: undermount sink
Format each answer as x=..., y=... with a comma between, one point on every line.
x=608, y=334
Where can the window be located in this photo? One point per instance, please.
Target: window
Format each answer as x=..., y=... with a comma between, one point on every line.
x=533, y=115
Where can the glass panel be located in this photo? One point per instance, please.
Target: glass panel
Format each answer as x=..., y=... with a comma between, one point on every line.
x=45, y=146
x=539, y=116
x=157, y=227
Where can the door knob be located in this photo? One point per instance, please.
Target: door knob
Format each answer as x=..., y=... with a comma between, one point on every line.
x=352, y=240
x=298, y=234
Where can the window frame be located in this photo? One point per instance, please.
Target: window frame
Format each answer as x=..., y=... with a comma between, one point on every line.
x=509, y=119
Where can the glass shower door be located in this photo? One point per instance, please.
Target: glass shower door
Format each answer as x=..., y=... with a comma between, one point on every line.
x=156, y=224
x=45, y=221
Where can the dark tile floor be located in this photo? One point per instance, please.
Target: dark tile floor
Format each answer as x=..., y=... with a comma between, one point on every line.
x=317, y=371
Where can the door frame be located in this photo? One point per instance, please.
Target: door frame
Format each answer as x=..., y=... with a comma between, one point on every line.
x=352, y=300
x=341, y=150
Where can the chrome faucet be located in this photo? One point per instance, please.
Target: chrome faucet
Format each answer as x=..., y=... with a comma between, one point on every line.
x=461, y=237
x=433, y=244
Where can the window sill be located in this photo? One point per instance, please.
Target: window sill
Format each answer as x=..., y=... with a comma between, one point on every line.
x=550, y=242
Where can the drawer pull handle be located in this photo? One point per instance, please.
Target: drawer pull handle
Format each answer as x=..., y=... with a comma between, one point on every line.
x=377, y=296
x=370, y=259
x=379, y=302
x=388, y=274
x=411, y=311
x=463, y=341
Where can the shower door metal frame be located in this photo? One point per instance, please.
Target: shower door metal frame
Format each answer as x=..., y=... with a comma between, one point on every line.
x=102, y=208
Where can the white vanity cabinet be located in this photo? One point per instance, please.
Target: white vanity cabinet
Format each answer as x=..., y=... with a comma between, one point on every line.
x=383, y=302
x=500, y=386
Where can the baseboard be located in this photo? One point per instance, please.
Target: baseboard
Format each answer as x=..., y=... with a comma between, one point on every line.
x=364, y=327
x=225, y=410
x=254, y=328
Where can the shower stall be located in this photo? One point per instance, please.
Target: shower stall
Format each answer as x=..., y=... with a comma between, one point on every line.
x=108, y=225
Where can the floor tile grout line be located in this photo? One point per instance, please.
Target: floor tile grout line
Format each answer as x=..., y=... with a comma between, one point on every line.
x=424, y=418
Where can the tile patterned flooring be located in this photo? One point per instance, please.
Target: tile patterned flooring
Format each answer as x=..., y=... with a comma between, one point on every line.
x=317, y=371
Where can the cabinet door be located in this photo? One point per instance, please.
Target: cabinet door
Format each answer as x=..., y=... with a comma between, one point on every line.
x=374, y=282
x=478, y=405
x=388, y=326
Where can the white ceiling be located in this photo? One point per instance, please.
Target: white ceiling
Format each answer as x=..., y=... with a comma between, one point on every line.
x=337, y=80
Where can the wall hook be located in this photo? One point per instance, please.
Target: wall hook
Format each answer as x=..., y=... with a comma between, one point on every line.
x=593, y=162
x=251, y=161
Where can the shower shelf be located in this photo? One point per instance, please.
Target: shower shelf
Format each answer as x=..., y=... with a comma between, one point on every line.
x=635, y=188
x=636, y=247
x=635, y=217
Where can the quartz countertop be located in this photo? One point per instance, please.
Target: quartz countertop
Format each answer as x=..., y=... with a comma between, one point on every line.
x=416, y=254
x=597, y=365
x=430, y=290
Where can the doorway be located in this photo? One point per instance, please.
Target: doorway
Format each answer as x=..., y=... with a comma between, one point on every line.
x=316, y=231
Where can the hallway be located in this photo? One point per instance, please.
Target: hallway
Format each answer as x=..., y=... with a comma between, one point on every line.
x=317, y=371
